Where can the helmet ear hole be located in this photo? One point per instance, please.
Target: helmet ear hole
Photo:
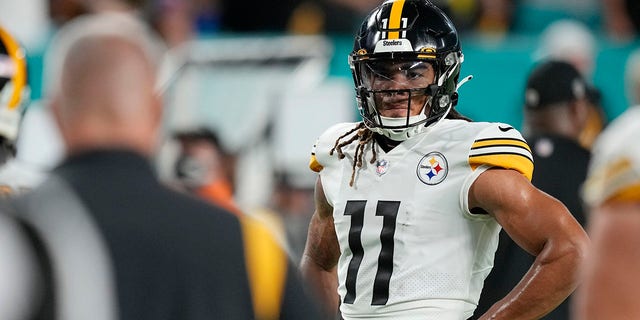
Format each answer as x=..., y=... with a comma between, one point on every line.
x=454, y=99
x=432, y=90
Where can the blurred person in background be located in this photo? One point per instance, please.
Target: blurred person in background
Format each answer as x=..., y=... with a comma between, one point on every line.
x=293, y=202
x=571, y=41
x=621, y=19
x=409, y=202
x=556, y=110
x=108, y=240
x=612, y=192
x=14, y=98
x=203, y=167
x=173, y=20
x=63, y=11
x=612, y=196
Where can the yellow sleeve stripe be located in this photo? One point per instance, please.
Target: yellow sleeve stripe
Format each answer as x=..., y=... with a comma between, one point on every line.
x=314, y=165
x=267, y=268
x=499, y=142
x=18, y=58
x=514, y=161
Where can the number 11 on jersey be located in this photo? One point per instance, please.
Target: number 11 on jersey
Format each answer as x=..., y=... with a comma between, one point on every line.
x=389, y=211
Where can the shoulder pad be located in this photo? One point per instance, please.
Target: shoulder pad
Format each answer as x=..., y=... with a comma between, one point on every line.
x=614, y=172
x=320, y=151
x=501, y=145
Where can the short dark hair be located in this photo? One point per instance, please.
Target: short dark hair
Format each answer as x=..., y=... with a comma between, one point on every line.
x=200, y=133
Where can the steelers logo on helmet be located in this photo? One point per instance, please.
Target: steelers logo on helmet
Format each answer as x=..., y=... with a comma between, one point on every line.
x=432, y=168
x=406, y=55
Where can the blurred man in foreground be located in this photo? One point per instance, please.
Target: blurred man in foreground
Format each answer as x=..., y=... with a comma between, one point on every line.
x=109, y=241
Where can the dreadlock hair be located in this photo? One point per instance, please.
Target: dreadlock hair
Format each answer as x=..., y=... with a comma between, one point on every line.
x=363, y=137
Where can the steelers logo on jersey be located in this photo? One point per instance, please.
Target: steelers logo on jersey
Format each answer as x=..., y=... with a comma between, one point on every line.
x=432, y=168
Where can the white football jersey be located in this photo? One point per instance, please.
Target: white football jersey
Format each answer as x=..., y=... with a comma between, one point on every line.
x=614, y=172
x=410, y=247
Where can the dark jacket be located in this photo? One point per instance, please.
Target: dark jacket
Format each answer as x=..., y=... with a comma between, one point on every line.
x=171, y=255
x=560, y=169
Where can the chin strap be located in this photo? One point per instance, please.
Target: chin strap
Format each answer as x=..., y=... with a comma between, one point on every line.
x=402, y=133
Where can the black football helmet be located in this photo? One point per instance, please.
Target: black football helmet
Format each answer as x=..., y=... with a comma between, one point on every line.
x=415, y=32
x=14, y=88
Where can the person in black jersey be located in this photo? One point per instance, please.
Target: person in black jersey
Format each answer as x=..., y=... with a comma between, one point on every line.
x=556, y=110
x=112, y=242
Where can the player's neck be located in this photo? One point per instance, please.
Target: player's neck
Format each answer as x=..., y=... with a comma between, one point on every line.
x=386, y=143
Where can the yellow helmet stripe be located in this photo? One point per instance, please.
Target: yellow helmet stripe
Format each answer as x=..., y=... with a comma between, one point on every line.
x=18, y=57
x=395, y=19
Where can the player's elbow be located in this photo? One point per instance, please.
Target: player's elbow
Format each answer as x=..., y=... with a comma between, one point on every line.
x=569, y=243
x=577, y=246
x=571, y=252
x=576, y=250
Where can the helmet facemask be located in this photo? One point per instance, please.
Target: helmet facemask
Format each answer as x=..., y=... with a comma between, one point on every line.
x=399, y=98
x=406, y=32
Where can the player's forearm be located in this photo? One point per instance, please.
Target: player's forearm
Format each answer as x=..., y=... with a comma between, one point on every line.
x=323, y=283
x=550, y=280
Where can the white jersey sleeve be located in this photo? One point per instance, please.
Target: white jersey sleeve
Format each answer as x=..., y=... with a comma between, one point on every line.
x=322, y=156
x=501, y=145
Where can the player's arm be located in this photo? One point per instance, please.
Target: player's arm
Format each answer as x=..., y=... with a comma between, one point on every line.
x=542, y=226
x=318, y=265
x=609, y=289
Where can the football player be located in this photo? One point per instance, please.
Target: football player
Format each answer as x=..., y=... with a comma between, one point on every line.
x=410, y=200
